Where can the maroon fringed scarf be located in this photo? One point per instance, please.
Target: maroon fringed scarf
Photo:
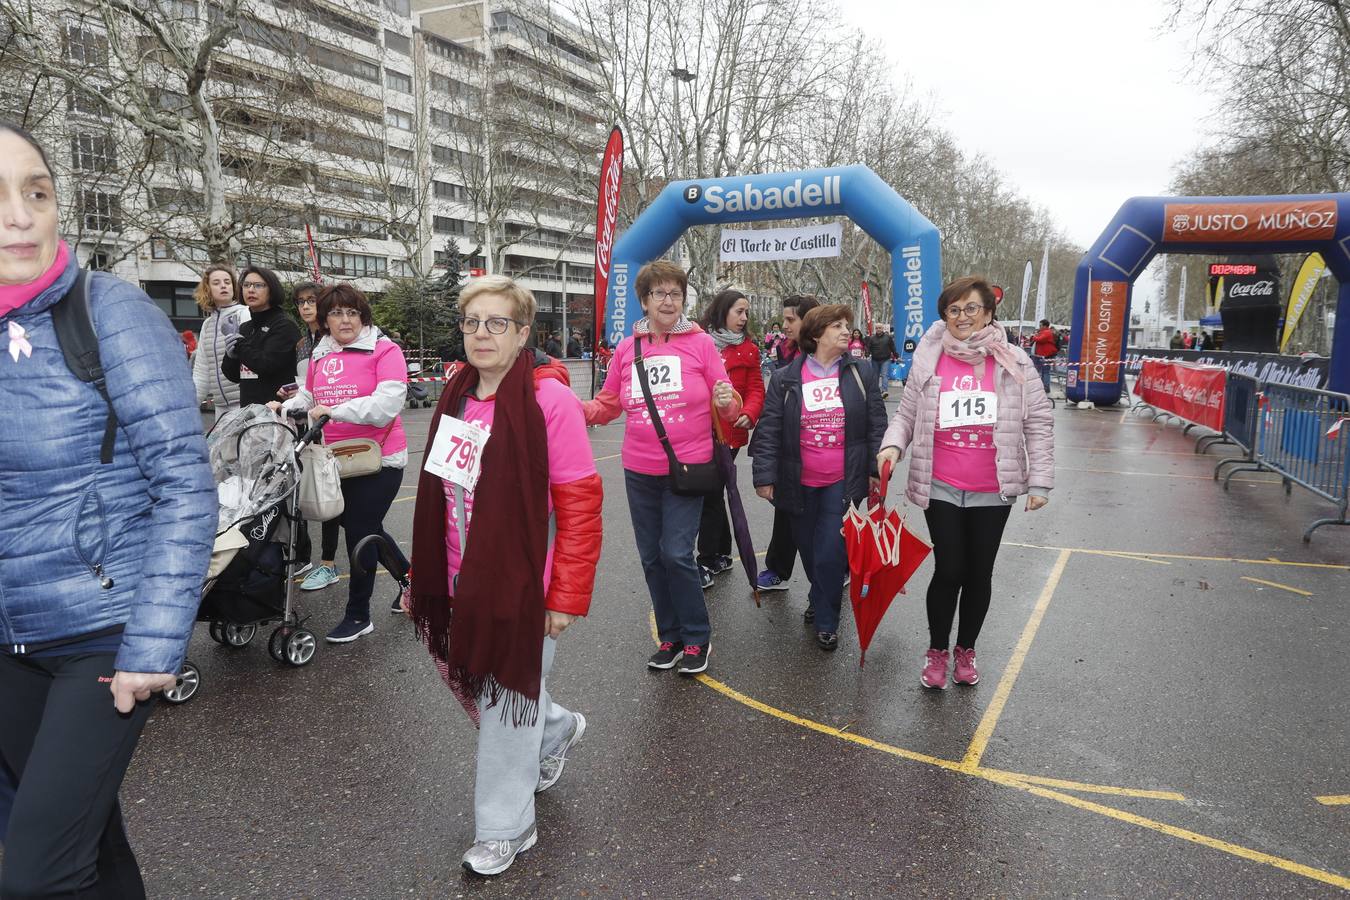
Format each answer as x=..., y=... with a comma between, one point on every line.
x=496, y=642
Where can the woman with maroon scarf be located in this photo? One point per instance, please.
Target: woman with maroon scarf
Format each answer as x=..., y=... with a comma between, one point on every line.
x=508, y=456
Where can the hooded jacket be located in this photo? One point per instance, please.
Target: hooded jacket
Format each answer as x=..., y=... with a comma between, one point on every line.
x=86, y=547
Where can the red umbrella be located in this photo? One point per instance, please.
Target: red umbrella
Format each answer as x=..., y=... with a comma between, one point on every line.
x=882, y=555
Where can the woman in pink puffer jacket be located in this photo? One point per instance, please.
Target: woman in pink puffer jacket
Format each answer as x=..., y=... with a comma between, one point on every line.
x=981, y=429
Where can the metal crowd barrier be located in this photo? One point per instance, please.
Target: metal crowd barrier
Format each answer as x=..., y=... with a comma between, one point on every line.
x=1240, y=393
x=1302, y=435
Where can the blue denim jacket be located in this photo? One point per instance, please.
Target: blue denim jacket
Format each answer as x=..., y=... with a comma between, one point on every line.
x=146, y=521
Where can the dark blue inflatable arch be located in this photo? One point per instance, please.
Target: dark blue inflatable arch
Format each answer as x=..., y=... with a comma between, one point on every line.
x=853, y=191
x=1147, y=226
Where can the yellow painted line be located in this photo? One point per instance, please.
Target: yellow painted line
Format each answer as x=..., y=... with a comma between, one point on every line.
x=1088, y=788
x=989, y=721
x=1134, y=557
x=1334, y=800
x=1269, y=561
x=1276, y=584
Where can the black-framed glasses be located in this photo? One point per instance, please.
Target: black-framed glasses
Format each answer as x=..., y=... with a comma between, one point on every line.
x=495, y=324
x=254, y=285
x=970, y=309
x=307, y=301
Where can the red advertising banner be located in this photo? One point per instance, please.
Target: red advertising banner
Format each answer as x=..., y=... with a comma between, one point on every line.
x=606, y=218
x=1104, y=334
x=867, y=307
x=1193, y=392
x=1244, y=222
x=313, y=255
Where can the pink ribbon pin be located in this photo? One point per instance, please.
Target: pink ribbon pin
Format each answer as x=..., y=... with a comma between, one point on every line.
x=18, y=343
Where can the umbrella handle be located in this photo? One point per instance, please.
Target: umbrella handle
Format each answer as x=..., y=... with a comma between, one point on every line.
x=886, y=469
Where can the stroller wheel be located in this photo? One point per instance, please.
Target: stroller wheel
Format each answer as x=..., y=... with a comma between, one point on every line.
x=276, y=644
x=217, y=631
x=300, y=647
x=189, y=680
x=238, y=635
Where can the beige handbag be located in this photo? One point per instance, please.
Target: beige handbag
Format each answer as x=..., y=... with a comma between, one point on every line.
x=360, y=456
x=320, y=484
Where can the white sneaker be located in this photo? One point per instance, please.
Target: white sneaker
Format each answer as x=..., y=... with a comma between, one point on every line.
x=551, y=767
x=495, y=857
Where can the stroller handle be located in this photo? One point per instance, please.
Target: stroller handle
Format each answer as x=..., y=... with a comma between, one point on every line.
x=313, y=434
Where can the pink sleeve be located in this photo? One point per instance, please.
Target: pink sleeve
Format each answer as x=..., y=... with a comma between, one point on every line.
x=391, y=366
x=569, y=450
x=713, y=365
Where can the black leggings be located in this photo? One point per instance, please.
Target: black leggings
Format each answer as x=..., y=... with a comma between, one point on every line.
x=366, y=500
x=965, y=545
x=304, y=548
x=68, y=747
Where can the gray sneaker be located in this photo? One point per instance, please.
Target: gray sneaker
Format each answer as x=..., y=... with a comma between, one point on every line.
x=550, y=768
x=495, y=857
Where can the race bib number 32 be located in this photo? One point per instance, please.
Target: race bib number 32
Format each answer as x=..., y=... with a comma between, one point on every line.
x=962, y=409
x=663, y=374
x=457, y=453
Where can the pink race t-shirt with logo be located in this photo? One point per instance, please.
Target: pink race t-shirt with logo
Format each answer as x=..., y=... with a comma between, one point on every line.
x=569, y=457
x=964, y=457
x=343, y=375
x=822, y=438
x=683, y=371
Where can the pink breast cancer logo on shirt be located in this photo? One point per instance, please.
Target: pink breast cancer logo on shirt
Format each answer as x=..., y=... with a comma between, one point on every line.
x=332, y=368
x=964, y=383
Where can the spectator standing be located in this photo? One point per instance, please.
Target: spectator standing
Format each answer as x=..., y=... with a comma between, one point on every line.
x=260, y=358
x=218, y=298
x=1044, y=347
x=881, y=346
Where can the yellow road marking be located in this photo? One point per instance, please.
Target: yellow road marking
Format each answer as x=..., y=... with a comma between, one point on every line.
x=1134, y=557
x=1089, y=788
x=989, y=721
x=1276, y=584
x=1269, y=561
x=1334, y=800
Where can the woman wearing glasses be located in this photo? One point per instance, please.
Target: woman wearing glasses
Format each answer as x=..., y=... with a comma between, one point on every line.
x=358, y=378
x=982, y=433
x=688, y=380
x=260, y=356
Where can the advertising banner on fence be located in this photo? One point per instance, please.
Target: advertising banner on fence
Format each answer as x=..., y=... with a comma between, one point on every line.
x=1310, y=372
x=765, y=244
x=1195, y=393
x=1314, y=267
x=606, y=218
x=1105, y=330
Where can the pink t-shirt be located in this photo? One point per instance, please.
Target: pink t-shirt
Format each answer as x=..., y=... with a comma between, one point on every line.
x=964, y=457
x=683, y=371
x=344, y=375
x=822, y=426
x=569, y=457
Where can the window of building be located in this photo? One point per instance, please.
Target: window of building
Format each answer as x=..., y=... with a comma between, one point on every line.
x=332, y=223
x=399, y=268
x=445, y=190
x=397, y=118
x=444, y=119
x=176, y=200
x=455, y=88
x=447, y=49
x=86, y=104
x=401, y=156
x=399, y=7
x=357, y=28
x=350, y=187
x=401, y=193
x=399, y=43
x=100, y=211
x=86, y=46
x=92, y=152
x=184, y=10
x=348, y=64
x=353, y=265
x=397, y=81
x=447, y=225
x=458, y=159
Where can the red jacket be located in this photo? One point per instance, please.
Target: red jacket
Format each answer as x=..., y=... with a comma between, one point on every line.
x=1043, y=344
x=742, y=362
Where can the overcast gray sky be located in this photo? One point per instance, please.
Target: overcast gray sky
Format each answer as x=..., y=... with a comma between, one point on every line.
x=1081, y=105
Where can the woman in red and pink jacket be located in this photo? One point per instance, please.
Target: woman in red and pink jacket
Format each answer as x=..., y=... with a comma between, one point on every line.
x=508, y=461
x=982, y=433
x=358, y=378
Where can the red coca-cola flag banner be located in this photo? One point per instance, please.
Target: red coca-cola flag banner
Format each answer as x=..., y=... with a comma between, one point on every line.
x=867, y=307
x=606, y=218
x=1193, y=392
x=313, y=256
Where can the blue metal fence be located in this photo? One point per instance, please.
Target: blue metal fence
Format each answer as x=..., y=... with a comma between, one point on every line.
x=1240, y=395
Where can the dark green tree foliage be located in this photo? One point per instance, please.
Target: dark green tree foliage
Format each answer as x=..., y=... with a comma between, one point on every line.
x=424, y=310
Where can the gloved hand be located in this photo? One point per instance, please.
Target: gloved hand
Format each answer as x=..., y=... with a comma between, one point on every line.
x=231, y=342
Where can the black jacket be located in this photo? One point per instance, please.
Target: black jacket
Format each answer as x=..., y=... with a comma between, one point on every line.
x=266, y=347
x=881, y=346
x=776, y=445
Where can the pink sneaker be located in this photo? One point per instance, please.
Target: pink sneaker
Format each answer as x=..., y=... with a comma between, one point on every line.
x=965, y=671
x=935, y=670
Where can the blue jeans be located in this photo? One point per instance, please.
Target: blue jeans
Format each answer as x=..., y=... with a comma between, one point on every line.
x=883, y=383
x=665, y=527
x=1043, y=366
x=821, y=545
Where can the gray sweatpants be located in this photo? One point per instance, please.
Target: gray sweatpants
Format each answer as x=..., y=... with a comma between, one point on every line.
x=508, y=761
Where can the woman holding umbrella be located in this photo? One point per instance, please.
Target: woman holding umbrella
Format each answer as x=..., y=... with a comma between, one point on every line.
x=982, y=433
x=815, y=449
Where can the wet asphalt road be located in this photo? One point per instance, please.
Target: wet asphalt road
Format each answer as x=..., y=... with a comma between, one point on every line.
x=1216, y=684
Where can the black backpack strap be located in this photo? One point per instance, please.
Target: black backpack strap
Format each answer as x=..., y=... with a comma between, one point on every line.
x=73, y=319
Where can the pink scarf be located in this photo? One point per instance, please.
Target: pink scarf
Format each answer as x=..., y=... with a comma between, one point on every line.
x=988, y=341
x=12, y=296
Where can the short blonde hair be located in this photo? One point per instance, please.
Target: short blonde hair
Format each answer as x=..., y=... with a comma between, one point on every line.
x=523, y=304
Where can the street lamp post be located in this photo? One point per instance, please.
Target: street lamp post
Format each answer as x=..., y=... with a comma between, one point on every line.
x=681, y=76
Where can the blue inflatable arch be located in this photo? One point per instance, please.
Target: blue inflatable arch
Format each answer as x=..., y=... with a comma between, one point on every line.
x=1147, y=226
x=853, y=191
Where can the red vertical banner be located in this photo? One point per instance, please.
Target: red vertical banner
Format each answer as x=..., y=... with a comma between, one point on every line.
x=606, y=218
x=313, y=255
x=867, y=307
x=1104, y=331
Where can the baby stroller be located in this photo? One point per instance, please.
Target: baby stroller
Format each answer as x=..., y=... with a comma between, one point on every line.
x=255, y=458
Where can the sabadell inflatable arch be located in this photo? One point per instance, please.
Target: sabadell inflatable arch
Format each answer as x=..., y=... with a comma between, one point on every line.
x=1147, y=226
x=853, y=191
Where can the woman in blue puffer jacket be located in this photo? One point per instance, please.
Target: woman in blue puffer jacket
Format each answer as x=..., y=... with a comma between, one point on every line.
x=102, y=548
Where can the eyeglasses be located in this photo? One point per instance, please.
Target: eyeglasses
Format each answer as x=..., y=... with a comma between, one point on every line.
x=307, y=301
x=666, y=295
x=343, y=312
x=495, y=324
x=970, y=309
x=254, y=285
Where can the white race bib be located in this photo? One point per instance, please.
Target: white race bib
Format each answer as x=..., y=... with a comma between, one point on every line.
x=962, y=409
x=821, y=395
x=246, y=372
x=663, y=375
x=457, y=453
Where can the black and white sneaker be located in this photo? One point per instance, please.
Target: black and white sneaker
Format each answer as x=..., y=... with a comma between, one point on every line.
x=666, y=656
x=695, y=659
x=719, y=564
x=302, y=570
x=705, y=577
x=349, y=630
x=828, y=640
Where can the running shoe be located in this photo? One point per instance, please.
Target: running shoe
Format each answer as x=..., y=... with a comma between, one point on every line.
x=495, y=857
x=551, y=767
x=934, y=670
x=964, y=672
x=694, y=659
x=768, y=580
x=302, y=570
x=348, y=630
x=705, y=577
x=320, y=578
x=719, y=564
x=828, y=640
x=666, y=656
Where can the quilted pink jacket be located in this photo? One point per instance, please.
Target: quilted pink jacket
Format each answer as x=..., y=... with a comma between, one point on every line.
x=1024, y=435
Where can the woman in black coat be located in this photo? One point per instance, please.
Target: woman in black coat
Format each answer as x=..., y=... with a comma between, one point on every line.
x=261, y=357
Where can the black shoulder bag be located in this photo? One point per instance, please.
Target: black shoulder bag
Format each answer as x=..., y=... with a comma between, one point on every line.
x=686, y=479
